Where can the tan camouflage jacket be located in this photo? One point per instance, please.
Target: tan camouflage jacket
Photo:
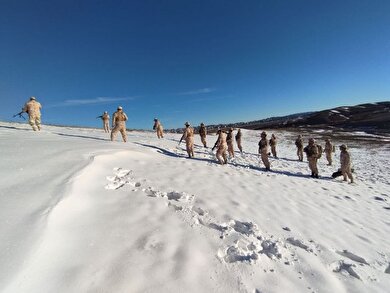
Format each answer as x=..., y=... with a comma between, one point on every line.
x=32, y=108
x=345, y=159
x=118, y=116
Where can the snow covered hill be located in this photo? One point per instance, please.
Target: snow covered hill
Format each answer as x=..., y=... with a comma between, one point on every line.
x=80, y=213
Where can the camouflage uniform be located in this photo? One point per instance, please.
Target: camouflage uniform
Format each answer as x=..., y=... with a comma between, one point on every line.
x=263, y=150
x=159, y=128
x=229, y=141
x=328, y=151
x=299, y=145
x=33, y=109
x=203, y=133
x=119, y=119
x=222, y=147
x=345, y=161
x=312, y=153
x=106, y=122
x=272, y=143
x=238, y=140
x=188, y=136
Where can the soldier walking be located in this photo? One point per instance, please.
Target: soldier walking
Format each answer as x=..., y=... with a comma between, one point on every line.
x=33, y=109
x=238, y=140
x=159, y=128
x=299, y=145
x=119, y=119
x=272, y=143
x=345, y=161
x=229, y=141
x=188, y=136
x=203, y=133
x=106, y=121
x=221, y=144
x=263, y=150
x=312, y=153
x=329, y=149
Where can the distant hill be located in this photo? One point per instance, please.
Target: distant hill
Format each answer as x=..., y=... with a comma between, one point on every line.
x=371, y=117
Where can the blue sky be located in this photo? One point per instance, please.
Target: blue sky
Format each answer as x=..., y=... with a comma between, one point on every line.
x=199, y=61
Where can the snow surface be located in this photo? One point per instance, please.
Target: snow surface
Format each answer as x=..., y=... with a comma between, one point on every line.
x=82, y=214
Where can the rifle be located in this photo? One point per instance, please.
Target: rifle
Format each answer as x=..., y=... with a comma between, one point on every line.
x=101, y=117
x=20, y=114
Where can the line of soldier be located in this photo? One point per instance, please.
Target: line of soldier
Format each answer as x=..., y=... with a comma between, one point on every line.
x=224, y=143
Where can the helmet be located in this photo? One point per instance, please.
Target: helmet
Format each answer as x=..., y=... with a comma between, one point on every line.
x=105, y=112
x=187, y=124
x=202, y=124
x=311, y=140
x=32, y=98
x=231, y=129
x=119, y=107
x=263, y=134
x=155, y=119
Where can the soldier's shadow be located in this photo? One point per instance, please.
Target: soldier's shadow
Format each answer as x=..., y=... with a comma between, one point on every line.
x=82, y=136
x=17, y=128
x=172, y=154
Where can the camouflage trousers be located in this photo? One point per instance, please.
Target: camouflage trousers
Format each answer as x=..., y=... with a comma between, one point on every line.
x=239, y=144
x=347, y=172
x=159, y=132
x=265, y=160
x=329, y=157
x=106, y=126
x=273, y=151
x=313, y=165
x=190, y=146
x=119, y=127
x=221, y=154
x=203, y=140
x=230, y=149
x=35, y=122
x=300, y=154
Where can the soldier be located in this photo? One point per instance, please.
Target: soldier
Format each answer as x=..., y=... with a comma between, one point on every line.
x=188, y=135
x=159, y=128
x=345, y=161
x=106, y=121
x=33, y=109
x=119, y=119
x=299, y=144
x=263, y=150
x=238, y=140
x=203, y=133
x=312, y=154
x=329, y=148
x=272, y=143
x=222, y=147
x=229, y=141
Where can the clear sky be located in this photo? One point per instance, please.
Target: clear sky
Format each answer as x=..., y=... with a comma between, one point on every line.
x=205, y=61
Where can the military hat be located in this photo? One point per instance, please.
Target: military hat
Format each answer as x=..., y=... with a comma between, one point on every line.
x=343, y=147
